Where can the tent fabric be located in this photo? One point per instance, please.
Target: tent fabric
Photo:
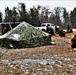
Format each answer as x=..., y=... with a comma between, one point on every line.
x=25, y=35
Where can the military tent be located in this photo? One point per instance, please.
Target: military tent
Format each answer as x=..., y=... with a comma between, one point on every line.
x=24, y=35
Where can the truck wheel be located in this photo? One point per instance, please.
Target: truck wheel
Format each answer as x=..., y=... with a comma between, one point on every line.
x=43, y=30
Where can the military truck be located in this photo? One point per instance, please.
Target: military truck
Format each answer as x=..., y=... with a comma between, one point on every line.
x=43, y=26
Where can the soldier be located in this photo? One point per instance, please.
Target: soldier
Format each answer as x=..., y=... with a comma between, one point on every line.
x=68, y=27
x=61, y=33
x=49, y=30
x=73, y=41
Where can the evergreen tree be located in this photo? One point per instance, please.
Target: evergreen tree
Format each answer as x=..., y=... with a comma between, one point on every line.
x=0, y=16
x=57, y=15
x=14, y=14
x=34, y=16
x=73, y=16
x=65, y=17
x=23, y=13
x=8, y=15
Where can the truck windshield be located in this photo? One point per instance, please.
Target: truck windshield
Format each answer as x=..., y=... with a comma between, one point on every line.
x=52, y=25
x=43, y=25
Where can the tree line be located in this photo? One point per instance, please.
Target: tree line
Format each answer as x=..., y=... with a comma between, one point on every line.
x=38, y=14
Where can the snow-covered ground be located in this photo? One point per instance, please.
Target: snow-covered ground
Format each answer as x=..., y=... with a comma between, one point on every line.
x=66, y=30
x=57, y=59
x=44, y=66
x=74, y=29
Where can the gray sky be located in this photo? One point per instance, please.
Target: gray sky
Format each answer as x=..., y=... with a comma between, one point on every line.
x=68, y=4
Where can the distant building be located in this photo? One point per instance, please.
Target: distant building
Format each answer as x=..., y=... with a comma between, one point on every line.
x=7, y=26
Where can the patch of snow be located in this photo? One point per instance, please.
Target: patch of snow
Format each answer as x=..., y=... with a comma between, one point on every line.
x=34, y=74
x=26, y=72
x=63, y=74
x=14, y=36
x=66, y=59
x=59, y=66
x=11, y=65
x=11, y=45
x=53, y=43
x=70, y=65
x=58, y=61
x=74, y=49
x=65, y=30
x=16, y=62
x=3, y=36
x=74, y=29
x=44, y=62
x=5, y=61
x=46, y=33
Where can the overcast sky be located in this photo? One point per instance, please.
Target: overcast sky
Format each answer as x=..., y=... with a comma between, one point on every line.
x=68, y=4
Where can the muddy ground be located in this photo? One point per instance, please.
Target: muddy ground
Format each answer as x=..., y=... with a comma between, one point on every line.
x=59, y=59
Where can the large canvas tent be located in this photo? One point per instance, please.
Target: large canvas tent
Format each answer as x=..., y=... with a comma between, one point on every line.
x=24, y=35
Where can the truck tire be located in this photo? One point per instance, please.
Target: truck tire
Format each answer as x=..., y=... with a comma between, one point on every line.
x=43, y=30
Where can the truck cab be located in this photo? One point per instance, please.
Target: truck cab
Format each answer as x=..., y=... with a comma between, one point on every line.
x=44, y=25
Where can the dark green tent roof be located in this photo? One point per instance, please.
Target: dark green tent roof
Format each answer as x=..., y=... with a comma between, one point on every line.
x=25, y=31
